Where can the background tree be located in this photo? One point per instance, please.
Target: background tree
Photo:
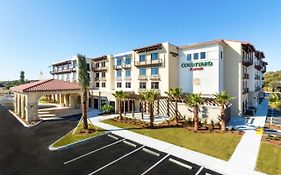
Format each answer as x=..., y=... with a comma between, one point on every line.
x=274, y=103
x=223, y=99
x=120, y=96
x=194, y=101
x=84, y=83
x=150, y=97
x=107, y=108
x=22, y=77
x=176, y=94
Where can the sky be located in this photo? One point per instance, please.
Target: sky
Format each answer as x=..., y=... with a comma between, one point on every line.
x=36, y=33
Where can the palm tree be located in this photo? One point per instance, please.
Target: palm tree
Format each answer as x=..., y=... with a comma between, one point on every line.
x=120, y=96
x=274, y=103
x=223, y=99
x=176, y=94
x=150, y=96
x=84, y=83
x=142, y=100
x=107, y=108
x=194, y=101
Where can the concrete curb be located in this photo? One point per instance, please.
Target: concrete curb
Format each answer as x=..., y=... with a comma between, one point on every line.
x=22, y=122
x=51, y=148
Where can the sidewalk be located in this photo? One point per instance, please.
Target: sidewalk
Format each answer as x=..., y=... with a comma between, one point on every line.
x=245, y=155
x=183, y=153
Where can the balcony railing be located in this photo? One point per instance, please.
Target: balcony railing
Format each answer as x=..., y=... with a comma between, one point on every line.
x=118, y=78
x=117, y=67
x=245, y=90
x=257, y=88
x=98, y=69
x=154, y=77
x=126, y=66
x=127, y=78
x=247, y=61
x=258, y=66
x=257, y=77
x=68, y=70
x=263, y=70
x=100, y=79
x=142, y=77
x=149, y=63
x=245, y=76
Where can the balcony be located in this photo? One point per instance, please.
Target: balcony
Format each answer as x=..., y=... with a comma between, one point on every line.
x=116, y=67
x=142, y=77
x=247, y=61
x=245, y=76
x=127, y=78
x=99, y=69
x=257, y=77
x=126, y=66
x=118, y=78
x=149, y=63
x=258, y=66
x=154, y=77
x=263, y=70
x=68, y=70
x=245, y=90
x=100, y=79
x=257, y=88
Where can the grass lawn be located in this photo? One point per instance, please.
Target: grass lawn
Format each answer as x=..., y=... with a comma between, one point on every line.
x=269, y=159
x=220, y=145
x=71, y=138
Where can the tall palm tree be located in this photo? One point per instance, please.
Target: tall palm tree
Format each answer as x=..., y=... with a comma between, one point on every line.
x=274, y=103
x=150, y=96
x=176, y=94
x=223, y=99
x=120, y=96
x=84, y=83
x=194, y=101
x=142, y=100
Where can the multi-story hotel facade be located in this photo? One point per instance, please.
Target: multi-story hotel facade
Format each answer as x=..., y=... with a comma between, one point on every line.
x=206, y=68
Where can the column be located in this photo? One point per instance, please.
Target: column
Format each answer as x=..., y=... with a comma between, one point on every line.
x=133, y=108
x=31, y=108
x=72, y=101
x=18, y=104
x=66, y=100
x=61, y=96
x=15, y=102
x=23, y=106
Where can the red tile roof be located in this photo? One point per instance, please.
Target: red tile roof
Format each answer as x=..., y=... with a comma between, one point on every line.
x=46, y=85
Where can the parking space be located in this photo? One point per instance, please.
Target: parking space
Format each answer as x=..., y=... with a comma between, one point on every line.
x=111, y=154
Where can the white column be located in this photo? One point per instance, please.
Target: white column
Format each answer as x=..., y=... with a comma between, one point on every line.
x=22, y=106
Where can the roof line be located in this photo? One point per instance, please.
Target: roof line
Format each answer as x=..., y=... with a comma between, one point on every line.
x=45, y=81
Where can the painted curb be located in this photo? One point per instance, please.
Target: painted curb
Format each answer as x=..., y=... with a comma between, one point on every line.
x=22, y=122
x=51, y=148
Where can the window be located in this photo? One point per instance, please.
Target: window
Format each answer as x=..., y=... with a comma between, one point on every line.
x=103, y=85
x=88, y=76
x=103, y=74
x=195, y=56
x=118, y=73
x=188, y=57
x=74, y=64
x=154, y=71
x=97, y=75
x=97, y=64
x=119, y=61
x=202, y=55
x=128, y=73
x=221, y=54
x=119, y=85
x=67, y=76
x=142, y=85
x=154, y=56
x=141, y=58
x=154, y=85
x=128, y=60
x=88, y=67
x=128, y=85
x=97, y=85
x=74, y=76
x=142, y=71
x=103, y=64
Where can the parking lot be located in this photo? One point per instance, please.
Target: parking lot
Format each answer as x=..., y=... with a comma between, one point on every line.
x=25, y=151
x=111, y=154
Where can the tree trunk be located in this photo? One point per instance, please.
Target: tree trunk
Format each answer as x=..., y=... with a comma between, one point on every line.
x=222, y=118
x=141, y=110
x=84, y=109
x=177, y=119
x=133, y=108
x=124, y=107
x=151, y=115
x=120, y=112
x=195, y=111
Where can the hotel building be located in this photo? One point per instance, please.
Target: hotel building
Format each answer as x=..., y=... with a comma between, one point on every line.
x=205, y=68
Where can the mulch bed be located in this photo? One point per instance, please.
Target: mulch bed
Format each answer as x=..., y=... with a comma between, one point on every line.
x=278, y=127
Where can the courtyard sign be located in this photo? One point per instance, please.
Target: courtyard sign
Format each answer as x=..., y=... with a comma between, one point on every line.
x=197, y=66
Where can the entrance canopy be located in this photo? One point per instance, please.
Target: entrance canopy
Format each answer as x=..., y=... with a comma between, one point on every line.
x=27, y=96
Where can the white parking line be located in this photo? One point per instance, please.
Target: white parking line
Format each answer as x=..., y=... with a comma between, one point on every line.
x=199, y=170
x=96, y=150
x=129, y=143
x=155, y=164
x=109, y=135
x=180, y=163
x=151, y=152
x=116, y=160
